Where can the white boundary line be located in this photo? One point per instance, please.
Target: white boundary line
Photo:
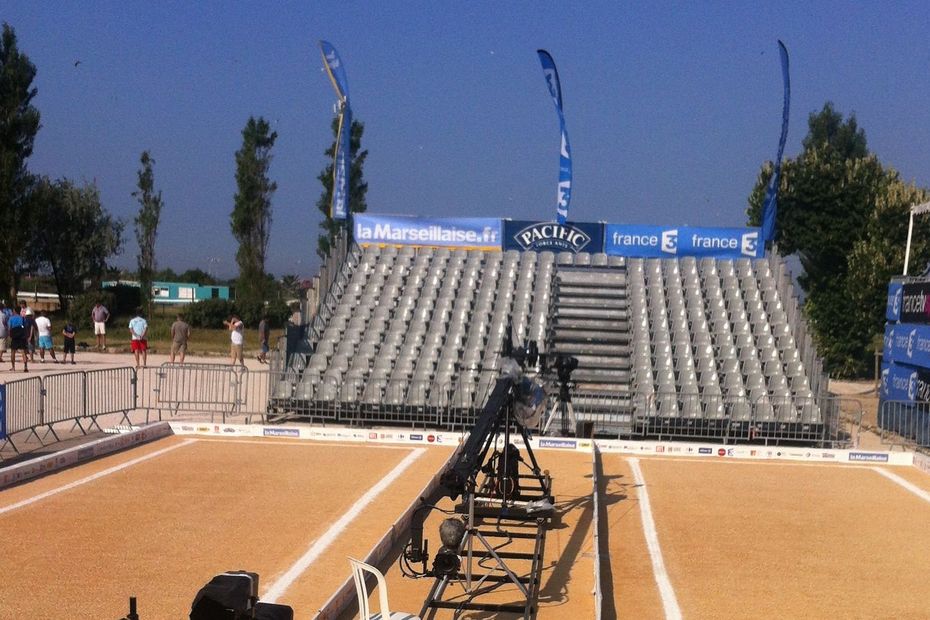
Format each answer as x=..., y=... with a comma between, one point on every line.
x=913, y=488
x=666, y=592
x=92, y=477
x=308, y=444
x=323, y=542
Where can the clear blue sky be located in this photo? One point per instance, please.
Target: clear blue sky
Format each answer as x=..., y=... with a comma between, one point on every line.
x=671, y=109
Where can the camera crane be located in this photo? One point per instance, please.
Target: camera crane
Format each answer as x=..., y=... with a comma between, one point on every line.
x=504, y=496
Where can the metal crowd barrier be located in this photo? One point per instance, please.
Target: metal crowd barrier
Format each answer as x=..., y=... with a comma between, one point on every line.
x=81, y=397
x=904, y=423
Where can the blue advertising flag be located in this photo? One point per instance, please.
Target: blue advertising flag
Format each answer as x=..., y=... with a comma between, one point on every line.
x=342, y=157
x=564, y=194
x=770, y=205
x=335, y=69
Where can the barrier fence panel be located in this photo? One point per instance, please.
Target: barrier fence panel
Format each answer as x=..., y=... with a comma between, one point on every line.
x=904, y=423
x=190, y=388
x=64, y=398
x=110, y=390
x=23, y=408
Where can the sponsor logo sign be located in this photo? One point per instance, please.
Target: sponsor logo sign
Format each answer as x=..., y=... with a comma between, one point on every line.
x=663, y=241
x=893, y=306
x=914, y=304
x=909, y=344
x=478, y=233
x=868, y=457
x=416, y=437
x=541, y=236
x=281, y=432
x=900, y=382
x=705, y=451
x=558, y=443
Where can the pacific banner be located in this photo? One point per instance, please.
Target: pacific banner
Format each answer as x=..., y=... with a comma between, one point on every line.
x=564, y=194
x=571, y=237
x=770, y=205
x=468, y=233
x=673, y=241
x=341, y=158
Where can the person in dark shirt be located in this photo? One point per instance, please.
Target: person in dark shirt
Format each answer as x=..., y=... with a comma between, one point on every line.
x=69, y=333
x=29, y=322
x=19, y=341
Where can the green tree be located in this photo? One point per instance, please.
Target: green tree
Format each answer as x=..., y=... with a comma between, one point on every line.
x=358, y=188
x=150, y=205
x=829, y=198
x=76, y=235
x=19, y=123
x=196, y=275
x=251, y=216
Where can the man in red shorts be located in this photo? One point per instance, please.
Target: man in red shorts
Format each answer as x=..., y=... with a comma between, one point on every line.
x=138, y=327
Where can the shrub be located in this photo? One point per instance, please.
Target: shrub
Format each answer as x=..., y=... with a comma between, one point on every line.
x=209, y=313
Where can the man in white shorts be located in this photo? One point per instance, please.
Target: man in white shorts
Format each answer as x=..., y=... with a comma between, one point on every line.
x=44, y=327
x=100, y=315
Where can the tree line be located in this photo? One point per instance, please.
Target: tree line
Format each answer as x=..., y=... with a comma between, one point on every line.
x=60, y=227
x=845, y=215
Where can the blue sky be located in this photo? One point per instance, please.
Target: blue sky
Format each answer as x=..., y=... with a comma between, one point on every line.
x=671, y=108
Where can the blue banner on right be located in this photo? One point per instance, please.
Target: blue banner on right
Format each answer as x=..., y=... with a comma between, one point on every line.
x=671, y=241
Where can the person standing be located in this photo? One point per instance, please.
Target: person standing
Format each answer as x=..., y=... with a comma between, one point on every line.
x=138, y=327
x=18, y=341
x=4, y=329
x=100, y=315
x=44, y=329
x=263, y=336
x=29, y=322
x=180, y=333
x=68, y=333
x=236, y=339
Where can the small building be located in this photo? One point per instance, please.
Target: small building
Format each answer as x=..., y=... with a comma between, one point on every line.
x=172, y=293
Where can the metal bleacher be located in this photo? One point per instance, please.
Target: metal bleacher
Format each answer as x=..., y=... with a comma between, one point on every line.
x=684, y=347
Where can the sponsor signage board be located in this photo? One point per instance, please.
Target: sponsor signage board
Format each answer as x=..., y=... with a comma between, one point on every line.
x=558, y=443
x=907, y=344
x=900, y=382
x=671, y=241
x=893, y=306
x=281, y=432
x=469, y=233
x=915, y=302
x=571, y=237
x=868, y=457
x=3, y=410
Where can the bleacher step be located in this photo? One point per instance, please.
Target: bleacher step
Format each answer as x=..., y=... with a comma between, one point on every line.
x=593, y=323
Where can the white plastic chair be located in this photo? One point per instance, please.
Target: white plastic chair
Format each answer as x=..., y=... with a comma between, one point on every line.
x=361, y=588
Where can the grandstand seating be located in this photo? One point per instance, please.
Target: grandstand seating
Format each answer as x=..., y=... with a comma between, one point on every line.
x=695, y=347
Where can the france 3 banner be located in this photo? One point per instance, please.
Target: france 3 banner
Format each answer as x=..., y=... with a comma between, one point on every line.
x=469, y=233
x=574, y=237
x=668, y=242
x=915, y=303
x=909, y=344
x=893, y=307
x=904, y=383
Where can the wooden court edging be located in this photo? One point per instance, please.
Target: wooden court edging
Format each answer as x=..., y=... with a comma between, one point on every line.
x=21, y=472
x=345, y=595
x=598, y=591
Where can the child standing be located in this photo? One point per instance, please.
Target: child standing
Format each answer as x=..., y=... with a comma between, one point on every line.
x=68, y=332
